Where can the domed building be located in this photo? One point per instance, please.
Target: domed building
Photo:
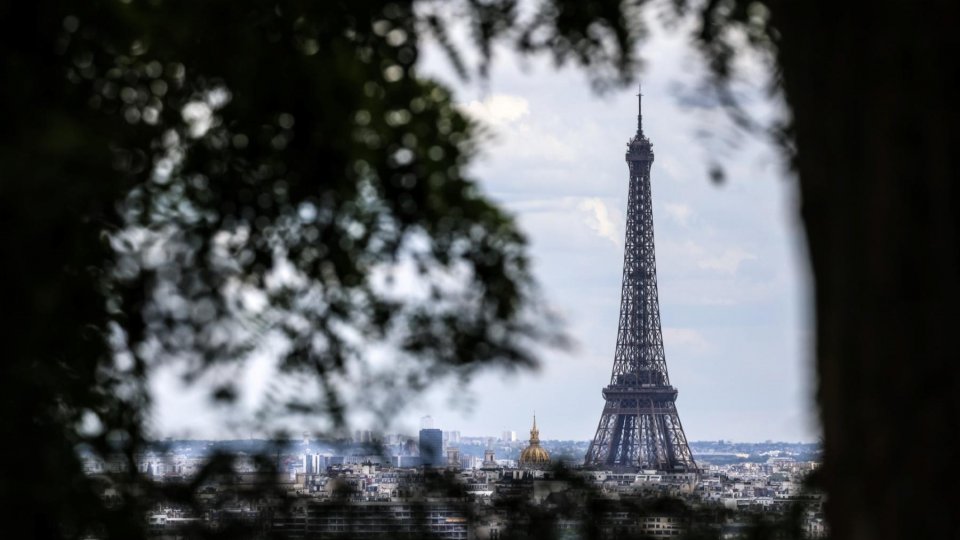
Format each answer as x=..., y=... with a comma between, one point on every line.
x=533, y=456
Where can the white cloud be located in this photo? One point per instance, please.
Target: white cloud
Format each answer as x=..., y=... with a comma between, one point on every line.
x=684, y=338
x=534, y=136
x=724, y=260
x=598, y=219
x=680, y=213
x=572, y=224
x=499, y=109
x=727, y=262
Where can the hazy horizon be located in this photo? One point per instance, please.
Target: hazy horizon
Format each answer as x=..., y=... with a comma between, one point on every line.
x=462, y=436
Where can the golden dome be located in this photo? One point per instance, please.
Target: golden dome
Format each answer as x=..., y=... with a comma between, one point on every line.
x=534, y=455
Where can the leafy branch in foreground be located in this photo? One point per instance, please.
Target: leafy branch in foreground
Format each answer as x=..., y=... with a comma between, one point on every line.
x=197, y=182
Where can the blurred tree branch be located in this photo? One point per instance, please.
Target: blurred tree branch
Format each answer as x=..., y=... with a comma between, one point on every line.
x=182, y=179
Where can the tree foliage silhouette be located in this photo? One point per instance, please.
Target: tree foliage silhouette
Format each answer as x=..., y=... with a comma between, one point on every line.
x=186, y=180
x=181, y=179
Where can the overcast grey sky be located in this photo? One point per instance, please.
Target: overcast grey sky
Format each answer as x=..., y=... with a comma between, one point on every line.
x=732, y=275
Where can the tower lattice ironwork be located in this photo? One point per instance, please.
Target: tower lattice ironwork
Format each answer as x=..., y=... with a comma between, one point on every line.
x=639, y=427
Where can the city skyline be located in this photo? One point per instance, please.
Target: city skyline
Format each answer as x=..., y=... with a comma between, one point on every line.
x=732, y=284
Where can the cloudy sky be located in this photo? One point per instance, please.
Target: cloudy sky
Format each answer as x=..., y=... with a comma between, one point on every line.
x=732, y=276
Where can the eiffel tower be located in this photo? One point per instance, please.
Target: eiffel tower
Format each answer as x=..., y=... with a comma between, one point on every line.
x=639, y=427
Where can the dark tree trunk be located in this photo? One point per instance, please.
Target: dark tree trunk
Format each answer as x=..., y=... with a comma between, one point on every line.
x=873, y=89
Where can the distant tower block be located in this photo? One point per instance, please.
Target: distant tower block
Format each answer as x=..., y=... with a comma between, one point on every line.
x=453, y=458
x=639, y=427
x=431, y=447
x=489, y=460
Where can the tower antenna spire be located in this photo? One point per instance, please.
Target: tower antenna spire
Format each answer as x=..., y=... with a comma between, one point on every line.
x=639, y=109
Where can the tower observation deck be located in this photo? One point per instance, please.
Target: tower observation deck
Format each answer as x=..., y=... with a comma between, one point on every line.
x=639, y=427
